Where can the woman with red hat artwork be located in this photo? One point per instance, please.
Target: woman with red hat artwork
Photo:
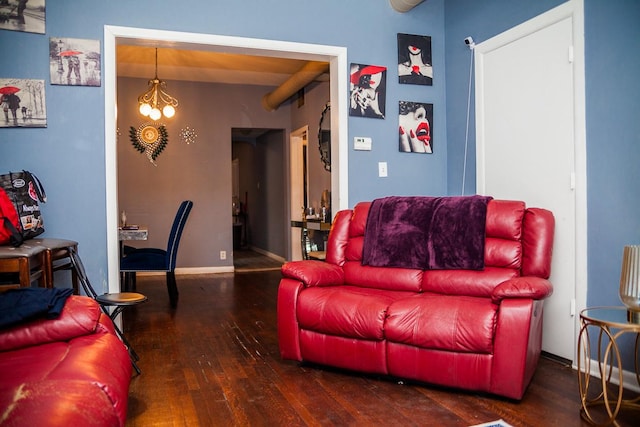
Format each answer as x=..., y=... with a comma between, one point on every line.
x=368, y=91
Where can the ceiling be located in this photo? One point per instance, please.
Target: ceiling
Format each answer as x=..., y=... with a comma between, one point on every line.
x=209, y=66
x=206, y=66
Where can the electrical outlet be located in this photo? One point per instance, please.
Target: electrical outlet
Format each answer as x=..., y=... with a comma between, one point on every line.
x=223, y=255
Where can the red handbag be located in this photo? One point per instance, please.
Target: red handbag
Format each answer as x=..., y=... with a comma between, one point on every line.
x=10, y=223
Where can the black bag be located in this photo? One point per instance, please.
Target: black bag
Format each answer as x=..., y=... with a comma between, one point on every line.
x=25, y=191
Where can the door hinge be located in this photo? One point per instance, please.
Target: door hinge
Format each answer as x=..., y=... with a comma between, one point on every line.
x=570, y=54
x=572, y=308
x=572, y=181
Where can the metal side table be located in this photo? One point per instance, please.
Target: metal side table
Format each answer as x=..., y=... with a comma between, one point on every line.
x=609, y=323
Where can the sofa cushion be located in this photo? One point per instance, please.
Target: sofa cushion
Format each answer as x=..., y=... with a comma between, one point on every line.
x=443, y=322
x=57, y=403
x=504, y=219
x=79, y=316
x=345, y=311
x=393, y=279
x=98, y=359
x=466, y=282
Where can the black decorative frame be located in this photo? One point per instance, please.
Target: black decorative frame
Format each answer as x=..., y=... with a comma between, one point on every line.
x=324, y=139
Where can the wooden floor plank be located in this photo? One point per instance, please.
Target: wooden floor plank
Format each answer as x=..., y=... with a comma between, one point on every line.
x=214, y=361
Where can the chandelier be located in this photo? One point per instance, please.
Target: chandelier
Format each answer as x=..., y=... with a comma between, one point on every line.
x=156, y=98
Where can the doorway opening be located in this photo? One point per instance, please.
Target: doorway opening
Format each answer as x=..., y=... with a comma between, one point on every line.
x=258, y=195
x=336, y=56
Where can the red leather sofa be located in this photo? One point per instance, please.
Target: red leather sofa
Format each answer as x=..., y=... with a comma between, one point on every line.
x=466, y=329
x=68, y=371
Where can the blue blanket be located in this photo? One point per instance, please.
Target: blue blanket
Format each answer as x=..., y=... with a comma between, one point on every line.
x=426, y=233
x=26, y=304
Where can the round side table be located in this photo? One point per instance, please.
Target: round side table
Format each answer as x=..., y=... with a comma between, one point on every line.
x=609, y=323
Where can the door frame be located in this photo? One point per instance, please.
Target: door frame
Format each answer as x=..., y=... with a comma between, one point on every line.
x=573, y=9
x=298, y=139
x=113, y=35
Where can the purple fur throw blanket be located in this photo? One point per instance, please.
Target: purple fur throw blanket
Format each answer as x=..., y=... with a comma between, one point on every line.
x=426, y=233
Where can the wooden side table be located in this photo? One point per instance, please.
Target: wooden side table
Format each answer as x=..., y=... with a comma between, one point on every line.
x=609, y=323
x=26, y=263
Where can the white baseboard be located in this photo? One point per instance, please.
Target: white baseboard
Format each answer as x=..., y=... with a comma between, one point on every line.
x=628, y=378
x=268, y=254
x=191, y=271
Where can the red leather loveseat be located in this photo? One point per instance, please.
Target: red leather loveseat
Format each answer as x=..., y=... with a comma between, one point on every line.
x=478, y=330
x=68, y=371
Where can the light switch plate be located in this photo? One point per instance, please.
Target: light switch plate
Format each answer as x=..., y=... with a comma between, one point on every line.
x=382, y=169
x=362, y=143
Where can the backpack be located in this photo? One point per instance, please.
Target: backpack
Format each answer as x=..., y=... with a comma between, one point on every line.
x=9, y=222
x=25, y=192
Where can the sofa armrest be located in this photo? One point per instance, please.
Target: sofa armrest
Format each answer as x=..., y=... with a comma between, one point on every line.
x=522, y=287
x=314, y=273
x=80, y=316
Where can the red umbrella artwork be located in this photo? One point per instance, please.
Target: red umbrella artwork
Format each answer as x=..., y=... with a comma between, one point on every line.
x=8, y=90
x=70, y=53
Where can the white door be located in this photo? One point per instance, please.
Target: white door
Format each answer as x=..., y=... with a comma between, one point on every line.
x=526, y=147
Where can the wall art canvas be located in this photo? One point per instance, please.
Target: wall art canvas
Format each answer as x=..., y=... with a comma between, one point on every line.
x=414, y=60
x=22, y=15
x=415, y=127
x=368, y=91
x=22, y=103
x=74, y=62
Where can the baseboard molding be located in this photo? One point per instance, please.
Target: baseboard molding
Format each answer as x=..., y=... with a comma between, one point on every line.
x=628, y=378
x=268, y=254
x=191, y=271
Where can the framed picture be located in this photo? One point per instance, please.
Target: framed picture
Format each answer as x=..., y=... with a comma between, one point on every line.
x=414, y=60
x=22, y=15
x=415, y=127
x=22, y=103
x=368, y=91
x=74, y=62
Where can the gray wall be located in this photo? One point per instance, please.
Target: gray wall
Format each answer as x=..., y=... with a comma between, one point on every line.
x=200, y=171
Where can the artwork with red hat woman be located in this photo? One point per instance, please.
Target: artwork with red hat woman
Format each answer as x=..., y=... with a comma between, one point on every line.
x=368, y=91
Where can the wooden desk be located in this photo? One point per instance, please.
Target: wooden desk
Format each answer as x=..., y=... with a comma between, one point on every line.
x=314, y=225
x=141, y=233
x=25, y=263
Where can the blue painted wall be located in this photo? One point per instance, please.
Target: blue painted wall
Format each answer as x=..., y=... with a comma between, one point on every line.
x=69, y=154
x=480, y=20
x=612, y=61
x=613, y=140
x=69, y=157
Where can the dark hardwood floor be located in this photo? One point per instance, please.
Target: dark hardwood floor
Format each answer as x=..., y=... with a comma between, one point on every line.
x=214, y=360
x=246, y=260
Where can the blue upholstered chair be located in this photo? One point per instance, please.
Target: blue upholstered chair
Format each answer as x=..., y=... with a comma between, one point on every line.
x=154, y=259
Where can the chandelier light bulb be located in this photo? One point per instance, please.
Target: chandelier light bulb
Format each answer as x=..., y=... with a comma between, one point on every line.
x=145, y=109
x=168, y=111
x=156, y=99
x=155, y=114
